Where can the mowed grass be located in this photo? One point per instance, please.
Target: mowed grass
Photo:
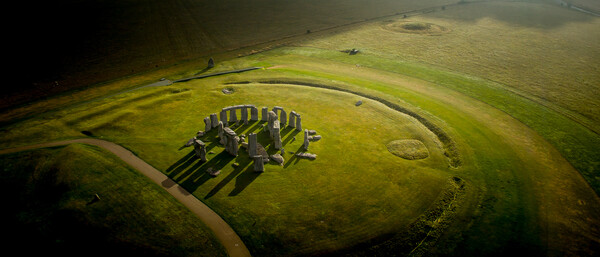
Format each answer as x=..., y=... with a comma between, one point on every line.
x=51, y=208
x=304, y=206
x=575, y=141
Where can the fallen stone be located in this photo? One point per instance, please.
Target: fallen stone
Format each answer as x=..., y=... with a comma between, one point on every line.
x=314, y=138
x=189, y=142
x=200, y=133
x=358, y=103
x=309, y=156
x=312, y=132
x=213, y=172
x=277, y=158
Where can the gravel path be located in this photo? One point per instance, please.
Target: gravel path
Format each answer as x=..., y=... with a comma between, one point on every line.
x=230, y=240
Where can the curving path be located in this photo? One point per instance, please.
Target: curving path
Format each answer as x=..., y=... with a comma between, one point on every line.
x=230, y=240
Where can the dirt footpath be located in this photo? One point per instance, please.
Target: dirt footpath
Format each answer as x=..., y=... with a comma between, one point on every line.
x=230, y=240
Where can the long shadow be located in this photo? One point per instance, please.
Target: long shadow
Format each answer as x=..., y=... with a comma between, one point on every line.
x=294, y=158
x=197, y=175
x=291, y=136
x=203, y=70
x=286, y=130
x=243, y=162
x=183, y=159
x=243, y=180
x=251, y=127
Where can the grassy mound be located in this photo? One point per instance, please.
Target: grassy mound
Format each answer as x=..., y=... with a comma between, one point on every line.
x=410, y=149
x=53, y=207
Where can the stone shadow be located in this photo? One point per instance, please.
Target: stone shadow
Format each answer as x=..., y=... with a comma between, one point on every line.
x=243, y=180
x=198, y=175
x=243, y=163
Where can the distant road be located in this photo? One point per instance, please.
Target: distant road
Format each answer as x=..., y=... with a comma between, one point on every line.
x=226, y=235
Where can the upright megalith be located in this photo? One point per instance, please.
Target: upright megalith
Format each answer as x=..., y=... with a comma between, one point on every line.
x=214, y=121
x=252, y=144
x=282, y=114
x=207, y=125
x=264, y=114
x=253, y=113
x=211, y=63
x=271, y=120
x=221, y=127
x=298, y=123
x=231, y=141
x=283, y=117
x=244, y=115
x=292, y=122
x=276, y=132
x=259, y=165
x=232, y=115
x=306, y=141
x=200, y=149
x=223, y=116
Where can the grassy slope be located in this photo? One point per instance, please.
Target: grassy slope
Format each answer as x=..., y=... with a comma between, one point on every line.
x=52, y=190
x=330, y=199
x=575, y=142
x=112, y=39
x=505, y=174
x=502, y=204
x=544, y=52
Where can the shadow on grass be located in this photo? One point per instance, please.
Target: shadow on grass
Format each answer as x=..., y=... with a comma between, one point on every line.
x=244, y=163
x=191, y=173
x=243, y=180
x=294, y=159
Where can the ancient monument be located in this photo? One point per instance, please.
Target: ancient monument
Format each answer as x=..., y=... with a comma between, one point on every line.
x=275, y=120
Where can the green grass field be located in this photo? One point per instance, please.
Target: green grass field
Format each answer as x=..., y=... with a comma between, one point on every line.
x=512, y=164
x=52, y=208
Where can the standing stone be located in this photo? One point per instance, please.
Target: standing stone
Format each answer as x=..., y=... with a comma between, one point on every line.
x=298, y=123
x=292, y=119
x=231, y=144
x=232, y=116
x=221, y=136
x=259, y=166
x=211, y=63
x=271, y=121
x=245, y=115
x=223, y=115
x=265, y=114
x=276, y=136
x=253, y=113
x=214, y=121
x=200, y=149
x=207, y=125
x=306, y=142
x=252, y=140
x=283, y=117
